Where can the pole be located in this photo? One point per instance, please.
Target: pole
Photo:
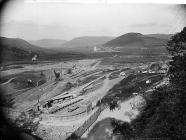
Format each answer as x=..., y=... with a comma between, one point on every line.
x=38, y=99
x=61, y=69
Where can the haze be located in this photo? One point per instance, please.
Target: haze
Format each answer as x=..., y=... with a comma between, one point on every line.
x=32, y=21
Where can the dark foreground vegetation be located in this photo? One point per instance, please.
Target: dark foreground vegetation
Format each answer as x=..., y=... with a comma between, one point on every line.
x=165, y=115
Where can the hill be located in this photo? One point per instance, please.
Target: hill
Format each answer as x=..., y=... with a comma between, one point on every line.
x=15, y=49
x=139, y=44
x=84, y=43
x=47, y=43
x=161, y=36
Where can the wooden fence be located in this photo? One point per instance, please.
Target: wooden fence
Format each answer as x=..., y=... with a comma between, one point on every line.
x=79, y=132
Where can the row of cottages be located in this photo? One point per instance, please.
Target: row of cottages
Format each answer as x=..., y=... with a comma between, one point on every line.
x=154, y=68
x=158, y=67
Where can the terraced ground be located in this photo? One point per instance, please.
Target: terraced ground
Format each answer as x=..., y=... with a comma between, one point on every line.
x=24, y=94
x=20, y=81
x=109, y=86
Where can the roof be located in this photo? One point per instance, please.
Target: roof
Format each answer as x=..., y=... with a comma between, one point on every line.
x=65, y=94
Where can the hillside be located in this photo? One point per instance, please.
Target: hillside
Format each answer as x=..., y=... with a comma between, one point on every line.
x=164, y=113
x=47, y=43
x=136, y=43
x=15, y=49
x=84, y=43
x=161, y=36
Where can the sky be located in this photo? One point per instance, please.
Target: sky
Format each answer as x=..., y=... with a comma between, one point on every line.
x=58, y=20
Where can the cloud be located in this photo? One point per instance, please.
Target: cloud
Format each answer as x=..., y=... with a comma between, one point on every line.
x=31, y=31
x=143, y=25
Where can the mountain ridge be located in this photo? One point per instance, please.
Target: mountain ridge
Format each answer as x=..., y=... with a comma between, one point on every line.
x=14, y=49
x=161, y=36
x=87, y=41
x=138, y=44
x=47, y=42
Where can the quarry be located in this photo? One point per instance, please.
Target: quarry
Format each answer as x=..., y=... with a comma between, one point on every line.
x=74, y=93
x=92, y=70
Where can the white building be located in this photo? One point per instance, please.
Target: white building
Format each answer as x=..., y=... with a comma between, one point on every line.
x=122, y=73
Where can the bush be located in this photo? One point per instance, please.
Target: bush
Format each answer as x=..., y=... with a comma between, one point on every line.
x=26, y=122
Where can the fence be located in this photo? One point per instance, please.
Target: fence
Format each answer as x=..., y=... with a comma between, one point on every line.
x=63, y=117
x=58, y=108
x=91, y=89
x=88, y=123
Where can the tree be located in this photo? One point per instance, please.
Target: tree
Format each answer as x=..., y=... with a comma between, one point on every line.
x=69, y=71
x=177, y=70
x=42, y=74
x=57, y=75
x=164, y=115
x=73, y=136
x=177, y=44
x=123, y=128
x=26, y=122
x=69, y=85
x=113, y=105
x=177, y=76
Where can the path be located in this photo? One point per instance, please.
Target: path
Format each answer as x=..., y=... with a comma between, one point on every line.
x=8, y=81
x=125, y=112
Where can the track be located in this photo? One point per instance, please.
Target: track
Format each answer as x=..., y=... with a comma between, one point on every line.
x=8, y=81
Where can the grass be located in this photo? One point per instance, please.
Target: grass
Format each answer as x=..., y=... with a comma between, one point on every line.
x=20, y=81
x=11, y=67
x=19, y=84
x=129, y=85
x=144, y=59
x=3, y=80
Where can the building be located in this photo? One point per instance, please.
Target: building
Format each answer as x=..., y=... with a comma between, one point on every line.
x=155, y=67
x=122, y=73
x=87, y=105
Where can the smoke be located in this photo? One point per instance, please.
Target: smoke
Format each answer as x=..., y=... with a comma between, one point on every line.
x=34, y=58
x=95, y=49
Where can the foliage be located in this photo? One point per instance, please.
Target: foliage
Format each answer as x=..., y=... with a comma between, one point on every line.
x=177, y=44
x=113, y=105
x=69, y=85
x=123, y=128
x=165, y=113
x=8, y=101
x=26, y=122
x=69, y=71
x=155, y=66
x=73, y=136
x=177, y=70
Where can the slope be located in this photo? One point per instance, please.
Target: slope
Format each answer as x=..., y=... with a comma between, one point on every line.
x=15, y=49
x=138, y=44
x=84, y=43
x=47, y=43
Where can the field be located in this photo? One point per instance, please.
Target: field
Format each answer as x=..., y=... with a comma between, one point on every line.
x=76, y=93
x=23, y=80
x=132, y=59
